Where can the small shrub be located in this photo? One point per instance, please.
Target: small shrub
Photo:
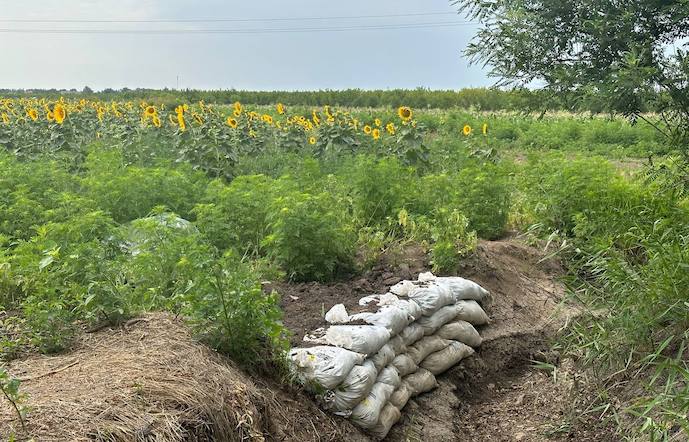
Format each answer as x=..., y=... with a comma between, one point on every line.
x=235, y=215
x=380, y=189
x=229, y=311
x=446, y=232
x=310, y=236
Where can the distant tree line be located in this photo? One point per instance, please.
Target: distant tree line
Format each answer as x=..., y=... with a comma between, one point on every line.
x=482, y=99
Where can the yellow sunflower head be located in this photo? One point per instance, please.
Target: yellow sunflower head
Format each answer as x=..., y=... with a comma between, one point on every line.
x=377, y=122
x=367, y=129
x=376, y=133
x=5, y=119
x=237, y=113
x=59, y=113
x=33, y=114
x=466, y=130
x=232, y=122
x=280, y=108
x=237, y=107
x=312, y=140
x=267, y=119
x=484, y=129
x=150, y=111
x=404, y=113
x=390, y=127
x=180, y=121
x=49, y=116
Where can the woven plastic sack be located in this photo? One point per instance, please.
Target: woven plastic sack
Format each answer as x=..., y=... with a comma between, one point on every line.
x=426, y=277
x=367, y=412
x=398, y=345
x=402, y=288
x=461, y=331
x=426, y=346
x=379, y=300
x=463, y=289
x=431, y=298
x=394, y=319
x=411, y=334
x=412, y=308
x=366, y=339
x=420, y=382
x=472, y=313
x=383, y=357
x=388, y=417
x=431, y=324
x=401, y=395
x=443, y=360
x=404, y=364
x=355, y=387
x=389, y=375
x=337, y=314
x=323, y=366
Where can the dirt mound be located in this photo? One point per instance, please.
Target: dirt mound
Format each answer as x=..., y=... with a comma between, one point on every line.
x=150, y=381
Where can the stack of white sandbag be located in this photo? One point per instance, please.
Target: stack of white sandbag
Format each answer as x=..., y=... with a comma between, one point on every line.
x=369, y=371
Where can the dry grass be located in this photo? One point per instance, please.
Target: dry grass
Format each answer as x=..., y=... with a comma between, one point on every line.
x=149, y=381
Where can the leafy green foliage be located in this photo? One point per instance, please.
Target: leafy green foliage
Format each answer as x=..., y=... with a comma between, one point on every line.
x=616, y=51
x=626, y=243
x=310, y=236
x=235, y=215
x=10, y=390
x=230, y=312
x=446, y=232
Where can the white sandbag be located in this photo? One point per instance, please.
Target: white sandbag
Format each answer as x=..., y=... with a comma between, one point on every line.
x=443, y=360
x=472, y=313
x=410, y=307
x=383, y=357
x=426, y=346
x=391, y=317
x=461, y=331
x=426, y=277
x=337, y=314
x=355, y=387
x=389, y=375
x=398, y=345
x=323, y=366
x=463, y=289
x=366, y=339
x=402, y=288
x=431, y=324
x=420, y=382
x=367, y=413
x=388, y=417
x=404, y=364
x=401, y=395
x=411, y=334
x=431, y=298
x=379, y=300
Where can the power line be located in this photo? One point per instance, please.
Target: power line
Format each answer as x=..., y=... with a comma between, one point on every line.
x=218, y=20
x=429, y=25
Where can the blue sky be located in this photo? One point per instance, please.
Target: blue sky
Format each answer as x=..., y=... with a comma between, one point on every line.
x=392, y=58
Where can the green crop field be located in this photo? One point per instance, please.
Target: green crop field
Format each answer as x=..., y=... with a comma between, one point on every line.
x=113, y=208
